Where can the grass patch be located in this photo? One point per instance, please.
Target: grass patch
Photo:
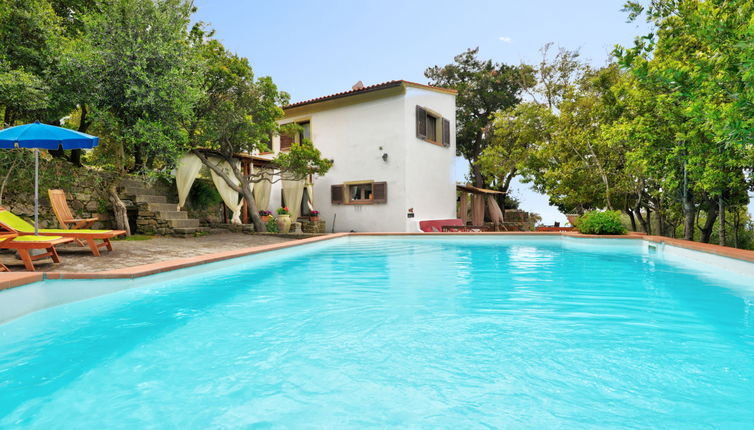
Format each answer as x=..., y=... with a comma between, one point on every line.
x=134, y=237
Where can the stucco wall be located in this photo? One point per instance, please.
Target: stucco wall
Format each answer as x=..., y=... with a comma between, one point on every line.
x=430, y=175
x=356, y=135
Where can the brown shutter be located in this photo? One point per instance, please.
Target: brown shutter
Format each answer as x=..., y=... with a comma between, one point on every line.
x=336, y=194
x=285, y=142
x=421, y=123
x=445, y=133
x=379, y=191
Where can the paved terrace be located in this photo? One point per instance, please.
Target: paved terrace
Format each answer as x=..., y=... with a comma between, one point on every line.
x=129, y=253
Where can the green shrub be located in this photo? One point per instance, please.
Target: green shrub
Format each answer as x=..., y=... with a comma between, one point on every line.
x=272, y=226
x=595, y=222
x=203, y=195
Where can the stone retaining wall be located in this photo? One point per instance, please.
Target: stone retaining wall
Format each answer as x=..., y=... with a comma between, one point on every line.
x=86, y=190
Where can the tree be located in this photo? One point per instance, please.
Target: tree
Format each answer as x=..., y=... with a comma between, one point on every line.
x=29, y=39
x=515, y=133
x=698, y=58
x=237, y=114
x=484, y=88
x=137, y=54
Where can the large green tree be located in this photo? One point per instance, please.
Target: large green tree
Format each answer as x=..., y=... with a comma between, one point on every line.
x=698, y=58
x=137, y=58
x=238, y=113
x=484, y=88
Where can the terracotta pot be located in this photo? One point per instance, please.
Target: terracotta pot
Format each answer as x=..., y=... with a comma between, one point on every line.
x=284, y=223
x=572, y=218
x=265, y=218
x=314, y=218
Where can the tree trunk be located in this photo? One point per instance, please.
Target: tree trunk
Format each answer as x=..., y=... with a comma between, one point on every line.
x=649, y=219
x=476, y=173
x=631, y=216
x=6, y=177
x=259, y=225
x=709, y=224
x=138, y=158
x=244, y=189
x=83, y=127
x=119, y=209
x=477, y=176
x=721, y=222
x=642, y=221
x=689, y=216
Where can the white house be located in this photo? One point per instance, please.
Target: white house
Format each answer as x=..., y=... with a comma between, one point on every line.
x=393, y=146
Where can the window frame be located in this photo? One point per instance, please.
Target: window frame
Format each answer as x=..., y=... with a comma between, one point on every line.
x=346, y=193
x=437, y=129
x=299, y=136
x=347, y=190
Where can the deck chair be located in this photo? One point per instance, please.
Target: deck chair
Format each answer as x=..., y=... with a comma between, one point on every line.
x=11, y=222
x=63, y=212
x=3, y=238
x=23, y=244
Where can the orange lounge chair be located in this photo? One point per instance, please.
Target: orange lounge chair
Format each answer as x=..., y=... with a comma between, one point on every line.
x=3, y=238
x=23, y=244
x=13, y=223
x=63, y=212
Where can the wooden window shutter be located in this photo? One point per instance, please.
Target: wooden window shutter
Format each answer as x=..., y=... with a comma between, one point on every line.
x=445, y=133
x=421, y=122
x=285, y=142
x=336, y=194
x=379, y=192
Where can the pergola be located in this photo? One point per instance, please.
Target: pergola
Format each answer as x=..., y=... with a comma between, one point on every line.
x=478, y=198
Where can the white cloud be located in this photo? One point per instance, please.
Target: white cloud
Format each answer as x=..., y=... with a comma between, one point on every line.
x=506, y=39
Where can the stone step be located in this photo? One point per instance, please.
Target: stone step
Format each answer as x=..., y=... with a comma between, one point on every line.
x=183, y=223
x=151, y=199
x=163, y=207
x=133, y=183
x=173, y=214
x=135, y=191
x=184, y=230
x=189, y=231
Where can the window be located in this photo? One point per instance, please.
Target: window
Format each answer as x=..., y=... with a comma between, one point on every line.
x=359, y=193
x=432, y=127
x=305, y=133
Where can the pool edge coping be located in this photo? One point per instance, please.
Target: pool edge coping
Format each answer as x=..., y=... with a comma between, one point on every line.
x=17, y=279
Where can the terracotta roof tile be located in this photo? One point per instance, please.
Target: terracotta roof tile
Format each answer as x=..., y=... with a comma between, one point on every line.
x=375, y=87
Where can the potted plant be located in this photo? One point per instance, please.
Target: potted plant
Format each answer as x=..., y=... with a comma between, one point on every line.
x=265, y=215
x=284, y=220
x=572, y=218
x=314, y=216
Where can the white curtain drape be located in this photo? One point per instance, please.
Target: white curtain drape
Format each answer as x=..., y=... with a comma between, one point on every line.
x=310, y=193
x=293, y=191
x=186, y=172
x=229, y=195
x=262, y=191
x=495, y=212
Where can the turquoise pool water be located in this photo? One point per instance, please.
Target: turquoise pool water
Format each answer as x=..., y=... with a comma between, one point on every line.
x=396, y=333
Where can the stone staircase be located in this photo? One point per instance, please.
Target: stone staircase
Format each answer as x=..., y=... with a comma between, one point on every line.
x=157, y=210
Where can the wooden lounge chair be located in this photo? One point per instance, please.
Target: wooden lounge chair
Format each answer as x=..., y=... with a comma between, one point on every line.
x=63, y=212
x=13, y=223
x=23, y=244
x=3, y=238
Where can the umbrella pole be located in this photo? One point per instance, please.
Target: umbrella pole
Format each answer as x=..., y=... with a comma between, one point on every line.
x=36, y=191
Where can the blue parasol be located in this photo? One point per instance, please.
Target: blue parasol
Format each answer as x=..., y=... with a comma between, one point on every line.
x=42, y=136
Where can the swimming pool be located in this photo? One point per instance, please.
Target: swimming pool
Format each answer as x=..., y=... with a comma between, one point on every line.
x=422, y=332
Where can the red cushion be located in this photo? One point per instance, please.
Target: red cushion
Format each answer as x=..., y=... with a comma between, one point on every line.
x=426, y=226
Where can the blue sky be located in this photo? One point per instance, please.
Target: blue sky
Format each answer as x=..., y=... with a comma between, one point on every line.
x=315, y=48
